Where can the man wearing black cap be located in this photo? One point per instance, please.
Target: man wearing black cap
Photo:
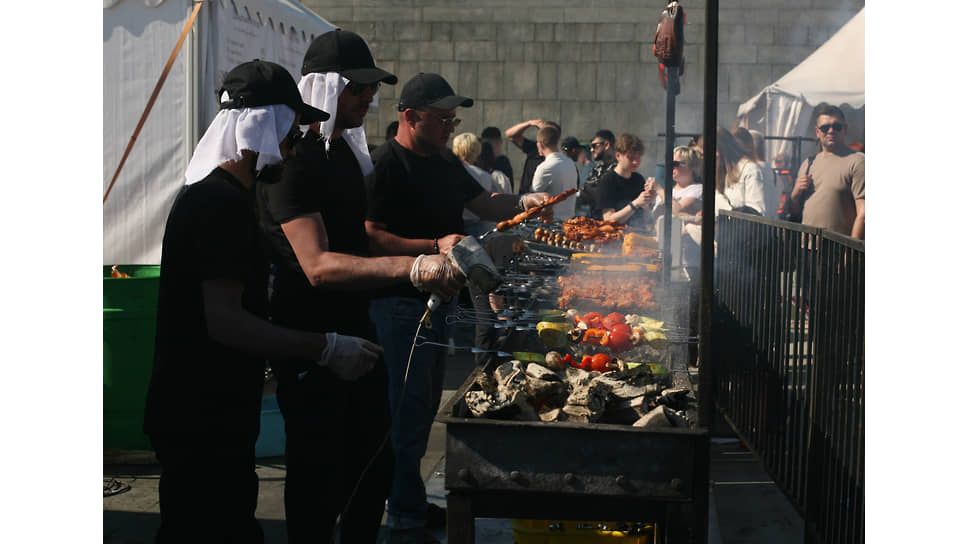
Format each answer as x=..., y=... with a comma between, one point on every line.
x=313, y=213
x=417, y=193
x=204, y=398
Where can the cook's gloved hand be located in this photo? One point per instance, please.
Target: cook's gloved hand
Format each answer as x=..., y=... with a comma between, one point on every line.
x=530, y=200
x=349, y=357
x=436, y=274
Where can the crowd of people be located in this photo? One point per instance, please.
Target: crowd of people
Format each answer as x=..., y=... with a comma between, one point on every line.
x=283, y=180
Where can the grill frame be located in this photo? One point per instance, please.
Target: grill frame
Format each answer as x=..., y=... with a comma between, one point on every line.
x=574, y=471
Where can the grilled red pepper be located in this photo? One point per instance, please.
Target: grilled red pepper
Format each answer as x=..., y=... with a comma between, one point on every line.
x=594, y=336
x=600, y=362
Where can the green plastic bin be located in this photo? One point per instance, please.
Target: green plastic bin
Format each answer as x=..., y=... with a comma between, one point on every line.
x=130, y=306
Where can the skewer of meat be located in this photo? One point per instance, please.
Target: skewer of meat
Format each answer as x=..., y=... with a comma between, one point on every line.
x=531, y=212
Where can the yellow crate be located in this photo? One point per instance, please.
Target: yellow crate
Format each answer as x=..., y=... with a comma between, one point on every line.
x=541, y=531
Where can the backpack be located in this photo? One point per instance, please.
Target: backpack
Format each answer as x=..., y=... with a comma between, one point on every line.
x=669, y=40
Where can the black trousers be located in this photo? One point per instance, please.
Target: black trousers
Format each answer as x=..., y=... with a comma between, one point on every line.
x=208, y=489
x=334, y=429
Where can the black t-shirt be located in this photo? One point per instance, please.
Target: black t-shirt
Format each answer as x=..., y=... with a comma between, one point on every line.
x=417, y=197
x=531, y=162
x=329, y=183
x=199, y=386
x=616, y=192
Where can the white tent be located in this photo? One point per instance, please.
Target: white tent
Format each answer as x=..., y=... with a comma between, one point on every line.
x=834, y=74
x=139, y=36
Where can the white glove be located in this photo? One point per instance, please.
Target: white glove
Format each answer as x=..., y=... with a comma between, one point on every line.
x=437, y=274
x=349, y=357
x=530, y=200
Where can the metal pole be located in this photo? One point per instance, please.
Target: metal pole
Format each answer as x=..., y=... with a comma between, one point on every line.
x=672, y=89
x=707, y=378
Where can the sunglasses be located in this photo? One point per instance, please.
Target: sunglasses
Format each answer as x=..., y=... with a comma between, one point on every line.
x=595, y=145
x=357, y=89
x=826, y=128
x=451, y=122
x=677, y=164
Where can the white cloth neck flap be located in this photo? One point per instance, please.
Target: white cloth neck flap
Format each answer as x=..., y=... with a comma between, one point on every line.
x=259, y=129
x=322, y=91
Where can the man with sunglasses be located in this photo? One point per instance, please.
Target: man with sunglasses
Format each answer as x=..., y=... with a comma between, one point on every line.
x=830, y=186
x=313, y=213
x=416, y=196
x=602, y=148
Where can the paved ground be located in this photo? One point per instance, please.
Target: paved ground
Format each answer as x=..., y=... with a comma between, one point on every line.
x=745, y=505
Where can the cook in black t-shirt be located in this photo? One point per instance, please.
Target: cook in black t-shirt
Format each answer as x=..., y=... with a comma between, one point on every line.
x=417, y=197
x=199, y=385
x=329, y=183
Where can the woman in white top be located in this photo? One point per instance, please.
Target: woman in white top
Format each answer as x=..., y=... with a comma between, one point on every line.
x=687, y=192
x=739, y=180
x=771, y=196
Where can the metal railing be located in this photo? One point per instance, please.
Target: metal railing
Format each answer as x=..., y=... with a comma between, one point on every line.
x=788, y=340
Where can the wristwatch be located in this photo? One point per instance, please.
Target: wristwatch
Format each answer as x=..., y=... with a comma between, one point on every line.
x=634, y=207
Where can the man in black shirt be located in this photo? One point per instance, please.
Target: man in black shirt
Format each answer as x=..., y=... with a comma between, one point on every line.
x=603, y=152
x=416, y=195
x=313, y=212
x=529, y=147
x=204, y=398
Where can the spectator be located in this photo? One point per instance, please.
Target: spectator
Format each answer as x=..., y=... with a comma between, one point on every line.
x=585, y=165
x=529, y=147
x=467, y=148
x=212, y=336
x=603, y=153
x=830, y=186
x=747, y=141
x=391, y=130
x=487, y=162
x=556, y=173
x=492, y=136
x=624, y=195
x=739, y=180
x=686, y=173
x=416, y=195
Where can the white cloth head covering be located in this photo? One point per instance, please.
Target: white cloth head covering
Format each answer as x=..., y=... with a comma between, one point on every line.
x=258, y=129
x=322, y=91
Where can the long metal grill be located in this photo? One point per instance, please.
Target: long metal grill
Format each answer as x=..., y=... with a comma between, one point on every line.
x=789, y=361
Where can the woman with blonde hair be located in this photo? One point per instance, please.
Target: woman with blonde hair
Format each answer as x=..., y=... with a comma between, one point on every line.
x=687, y=192
x=467, y=147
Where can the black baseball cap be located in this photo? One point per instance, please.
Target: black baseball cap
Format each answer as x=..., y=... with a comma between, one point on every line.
x=570, y=143
x=264, y=83
x=430, y=90
x=345, y=53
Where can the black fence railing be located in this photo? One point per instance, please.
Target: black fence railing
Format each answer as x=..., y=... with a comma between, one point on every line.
x=788, y=340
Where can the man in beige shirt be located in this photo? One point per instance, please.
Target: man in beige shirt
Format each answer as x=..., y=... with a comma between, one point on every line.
x=830, y=188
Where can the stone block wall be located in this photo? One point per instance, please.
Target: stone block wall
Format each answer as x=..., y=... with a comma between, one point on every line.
x=587, y=64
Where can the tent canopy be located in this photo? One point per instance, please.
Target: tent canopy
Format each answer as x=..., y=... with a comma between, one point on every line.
x=834, y=74
x=139, y=36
